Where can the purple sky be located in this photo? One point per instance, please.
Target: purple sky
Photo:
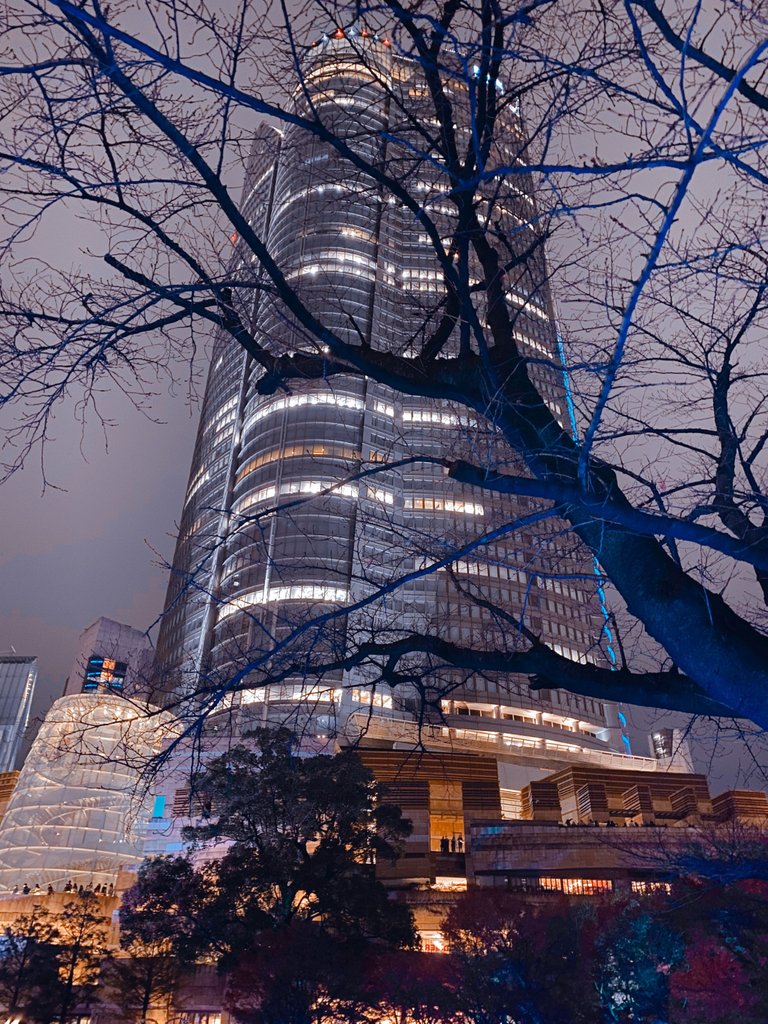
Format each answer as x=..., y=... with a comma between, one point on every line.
x=68, y=556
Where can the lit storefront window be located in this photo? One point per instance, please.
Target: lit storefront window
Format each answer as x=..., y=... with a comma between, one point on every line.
x=648, y=888
x=432, y=942
x=577, y=886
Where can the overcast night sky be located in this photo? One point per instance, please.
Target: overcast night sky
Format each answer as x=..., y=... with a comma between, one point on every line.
x=69, y=556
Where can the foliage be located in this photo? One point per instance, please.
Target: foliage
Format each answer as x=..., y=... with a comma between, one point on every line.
x=305, y=833
x=638, y=952
x=297, y=974
x=700, y=954
x=725, y=973
x=29, y=975
x=516, y=959
x=410, y=987
x=713, y=986
x=140, y=985
x=165, y=909
x=302, y=836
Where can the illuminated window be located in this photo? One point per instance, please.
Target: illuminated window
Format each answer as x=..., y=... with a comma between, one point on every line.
x=224, y=415
x=526, y=305
x=537, y=346
x=432, y=416
x=317, y=486
x=330, y=260
x=647, y=888
x=486, y=736
x=342, y=101
x=263, y=494
x=446, y=816
x=432, y=942
x=329, y=451
x=305, y=592
x=447, y=883
x=305, y=694
x=462, y=567
x=468, y=508
x=577, y=886
x=381, y=494
x=198, y=481
x=298, y=401
x=104, y=672
x=254, y=696
x=384, y=408
x=341, y=68
x=378, y=700
x=319, y=190
x=568, y=652
x=298, y=487
x=366, y=236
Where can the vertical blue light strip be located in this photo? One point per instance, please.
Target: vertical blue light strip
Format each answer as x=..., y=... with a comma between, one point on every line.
x=595, y=564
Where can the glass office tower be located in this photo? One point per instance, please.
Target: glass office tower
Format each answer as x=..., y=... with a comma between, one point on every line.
x=311, y=500
x=18, y=675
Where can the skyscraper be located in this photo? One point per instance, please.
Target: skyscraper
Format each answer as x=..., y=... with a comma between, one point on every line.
x=311, y=501
x=18, y=675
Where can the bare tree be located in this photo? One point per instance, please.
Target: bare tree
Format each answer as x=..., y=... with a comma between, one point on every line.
x=643, y=152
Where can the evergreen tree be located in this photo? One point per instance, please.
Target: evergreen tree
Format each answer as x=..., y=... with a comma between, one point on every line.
x=303, y=834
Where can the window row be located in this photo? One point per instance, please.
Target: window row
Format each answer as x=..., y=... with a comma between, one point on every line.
x=330, y=267
x=568, y=652
x=200, y=478
x=378, y=700
x=533, y=343
x=469, y=508
x=445, y=419
x=511, y=740
x=558, y=587
x=295, y=487
x=299, y=592
x=569, y=886
x=299, y=401
x=329, y=451
x=486, y=569
x=526, y=305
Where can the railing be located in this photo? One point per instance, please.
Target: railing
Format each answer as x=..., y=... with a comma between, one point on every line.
x=404, y=730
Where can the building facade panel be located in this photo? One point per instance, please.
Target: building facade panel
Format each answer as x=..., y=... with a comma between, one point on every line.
x=18, y=676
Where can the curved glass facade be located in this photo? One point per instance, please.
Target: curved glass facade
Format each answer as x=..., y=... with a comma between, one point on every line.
x=79, y=808
x=280, y=530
